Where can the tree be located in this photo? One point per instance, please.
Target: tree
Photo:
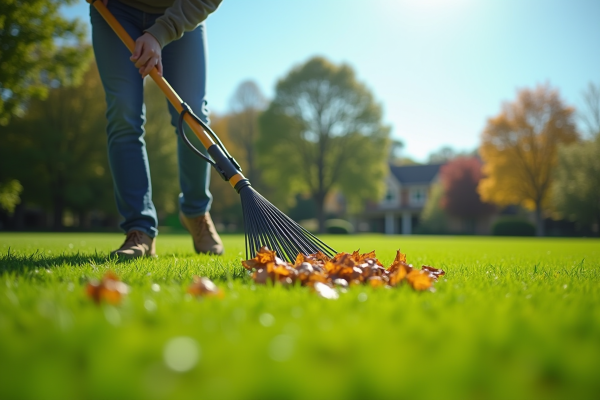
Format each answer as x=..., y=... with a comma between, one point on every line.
x=242, y=127
x=58, y=149
x=445, y=154
x=31, y=60
x=460, y=178
x=322, y=132
x=519, y=150
x=433, y=217
x=9, y=195
x=395, y=153
x=576, y=193
x=591, y=115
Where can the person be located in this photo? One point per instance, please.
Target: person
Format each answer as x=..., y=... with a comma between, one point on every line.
x=171, y=36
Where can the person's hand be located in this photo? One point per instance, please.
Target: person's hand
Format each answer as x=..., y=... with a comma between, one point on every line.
x=147, y=54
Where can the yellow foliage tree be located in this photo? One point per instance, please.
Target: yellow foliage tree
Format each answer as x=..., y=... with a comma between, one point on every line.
x=519, y=149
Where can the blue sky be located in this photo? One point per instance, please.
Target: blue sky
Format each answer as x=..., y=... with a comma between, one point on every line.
x=440, y=68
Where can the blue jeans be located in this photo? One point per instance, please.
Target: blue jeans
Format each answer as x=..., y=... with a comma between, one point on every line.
x=184, y=67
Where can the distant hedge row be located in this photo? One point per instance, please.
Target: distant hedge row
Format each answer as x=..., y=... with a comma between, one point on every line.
x=513, y=227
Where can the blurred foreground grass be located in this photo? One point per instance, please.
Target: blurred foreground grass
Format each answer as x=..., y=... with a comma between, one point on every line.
x=513, y=318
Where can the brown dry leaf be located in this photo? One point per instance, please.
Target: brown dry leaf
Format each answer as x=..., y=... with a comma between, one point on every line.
x=317, y=277
x=368, y=256
x=336, y=259
x=399, y=274
x=419, y=280
x=318, y=256
x=435, y=273
x=300, y=259
x=376, y=281
x=204, y=287
x=261, y=276
x=263, y=257
x=400, y=260
x=284, y=270
x=110, y=289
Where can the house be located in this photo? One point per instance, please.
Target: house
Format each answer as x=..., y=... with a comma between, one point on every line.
x=407, y=189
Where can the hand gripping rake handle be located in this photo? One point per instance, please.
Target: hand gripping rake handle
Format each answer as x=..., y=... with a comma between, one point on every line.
x=225, y=165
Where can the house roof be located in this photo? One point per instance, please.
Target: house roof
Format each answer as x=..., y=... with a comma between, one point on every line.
x=413, y=174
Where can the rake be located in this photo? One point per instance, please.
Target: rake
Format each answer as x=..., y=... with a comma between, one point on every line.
x=264, y=224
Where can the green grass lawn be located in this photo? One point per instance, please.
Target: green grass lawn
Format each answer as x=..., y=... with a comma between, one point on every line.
x=512, y=318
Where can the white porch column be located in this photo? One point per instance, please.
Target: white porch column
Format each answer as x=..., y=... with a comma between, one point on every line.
x=406, y=223
x=389, y=223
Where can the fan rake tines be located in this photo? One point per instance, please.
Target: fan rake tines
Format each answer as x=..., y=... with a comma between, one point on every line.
x=266, y=225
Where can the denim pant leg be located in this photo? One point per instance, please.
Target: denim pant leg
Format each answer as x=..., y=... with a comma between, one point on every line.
x=123, y=86
x=184, y=67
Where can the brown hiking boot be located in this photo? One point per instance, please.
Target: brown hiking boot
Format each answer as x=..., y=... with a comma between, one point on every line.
x=205, y=236
x=137, y=244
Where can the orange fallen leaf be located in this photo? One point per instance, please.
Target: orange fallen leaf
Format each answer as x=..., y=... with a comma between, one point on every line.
x=263, y=257
x=399, y=261
x=419, y=280
x=204, y=287
x=110, y=289
x=376, y=281
x=399, y=274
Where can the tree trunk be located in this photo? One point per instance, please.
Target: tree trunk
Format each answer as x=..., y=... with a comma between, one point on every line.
x=539, y=221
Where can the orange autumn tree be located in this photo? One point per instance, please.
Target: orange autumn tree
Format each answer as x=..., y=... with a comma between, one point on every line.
x=519, y=150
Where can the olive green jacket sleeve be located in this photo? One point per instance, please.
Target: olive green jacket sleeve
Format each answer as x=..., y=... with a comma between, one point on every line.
x=180, y=17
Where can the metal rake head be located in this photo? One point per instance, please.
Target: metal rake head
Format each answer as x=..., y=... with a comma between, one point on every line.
x=266, y=225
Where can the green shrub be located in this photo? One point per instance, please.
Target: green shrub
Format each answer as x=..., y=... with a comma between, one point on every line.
x=513, y=227
x=338, y=226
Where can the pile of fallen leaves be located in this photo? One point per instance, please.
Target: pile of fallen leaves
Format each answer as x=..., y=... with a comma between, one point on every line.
x=342, y=270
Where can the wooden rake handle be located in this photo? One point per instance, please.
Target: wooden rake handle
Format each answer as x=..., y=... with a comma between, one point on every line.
x=162, y=83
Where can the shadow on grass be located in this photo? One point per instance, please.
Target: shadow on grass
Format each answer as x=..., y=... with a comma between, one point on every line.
x=20, y=264
x=11, y=262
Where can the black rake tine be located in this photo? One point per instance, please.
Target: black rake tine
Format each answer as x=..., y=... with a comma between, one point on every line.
x=292, y=235
x=244, y=214
x=262, y=229
x=308, y=238
x=266, y=229
x=270, y=215
x=274, y=215
x=305, y=241
x=254, y=226
x=266, y=225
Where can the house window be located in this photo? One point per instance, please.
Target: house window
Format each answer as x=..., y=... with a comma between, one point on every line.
x=391, y=196
x=418, y=196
